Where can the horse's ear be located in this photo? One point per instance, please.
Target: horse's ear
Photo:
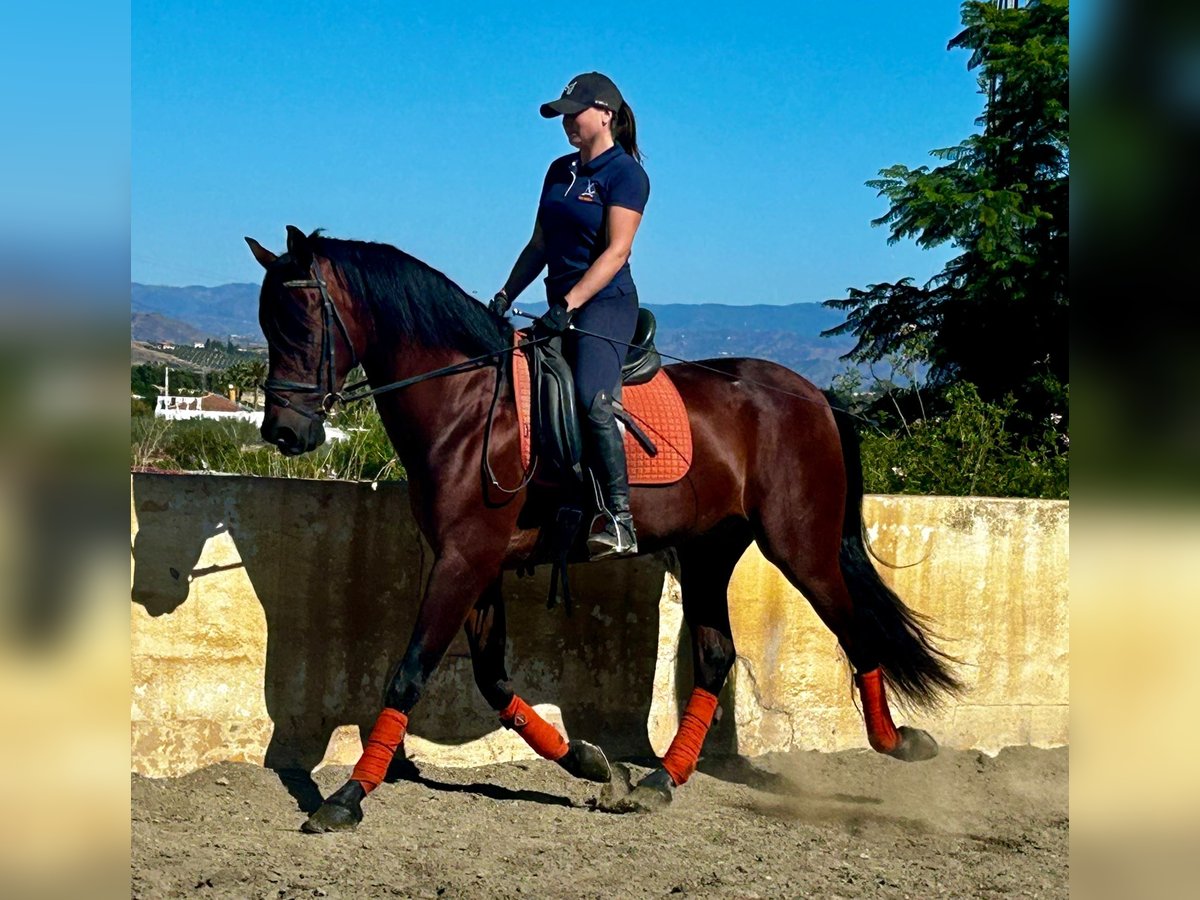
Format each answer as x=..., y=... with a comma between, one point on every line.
x=264, y=256
x=298, y=246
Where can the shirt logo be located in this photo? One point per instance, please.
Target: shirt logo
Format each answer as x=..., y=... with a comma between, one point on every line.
x=588, y=194
x=570, y=87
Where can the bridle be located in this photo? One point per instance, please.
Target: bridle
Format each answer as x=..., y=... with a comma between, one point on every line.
x=330, y=396
x=328, y=364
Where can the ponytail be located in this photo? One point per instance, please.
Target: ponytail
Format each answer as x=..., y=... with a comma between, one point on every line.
x=625, y=131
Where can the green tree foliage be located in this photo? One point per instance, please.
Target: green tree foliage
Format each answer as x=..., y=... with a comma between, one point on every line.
x=969, y=449
x=997, y=315
x=990, y=331
x=256, y=369
x=146, y=379
x=243, y=375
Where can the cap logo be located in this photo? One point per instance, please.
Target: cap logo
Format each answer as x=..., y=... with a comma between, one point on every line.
x=570, y=87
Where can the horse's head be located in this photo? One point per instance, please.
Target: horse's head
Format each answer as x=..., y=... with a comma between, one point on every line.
x=302, y=311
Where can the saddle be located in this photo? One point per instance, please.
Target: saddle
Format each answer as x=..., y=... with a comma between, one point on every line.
x=554, y=416
x=650, y=411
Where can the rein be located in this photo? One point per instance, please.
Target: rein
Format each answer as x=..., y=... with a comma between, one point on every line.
x=688, y=362
x=328, y=362
x=352, y=393
x=332, y=397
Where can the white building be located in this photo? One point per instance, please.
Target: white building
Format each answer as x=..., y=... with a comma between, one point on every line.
x=208, y=406
x=214, y=406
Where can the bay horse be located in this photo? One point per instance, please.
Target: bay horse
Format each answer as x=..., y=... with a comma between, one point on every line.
x=772, y=462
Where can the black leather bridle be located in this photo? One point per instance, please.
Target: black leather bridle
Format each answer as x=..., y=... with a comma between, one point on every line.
x=328, y=363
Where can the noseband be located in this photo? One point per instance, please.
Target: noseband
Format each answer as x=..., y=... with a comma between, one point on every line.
x=328, y=364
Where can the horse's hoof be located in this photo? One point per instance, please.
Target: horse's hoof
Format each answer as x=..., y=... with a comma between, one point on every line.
x=332, y=817
x=586, y=761
x=341, y=812
x=654, y=792
x=915, y=745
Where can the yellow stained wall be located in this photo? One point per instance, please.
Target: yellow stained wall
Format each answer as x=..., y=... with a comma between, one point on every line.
x=266, y=613
x=992, y=574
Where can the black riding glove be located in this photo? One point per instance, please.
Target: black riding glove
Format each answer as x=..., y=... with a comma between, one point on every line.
x=500, y=303
x=556, y=321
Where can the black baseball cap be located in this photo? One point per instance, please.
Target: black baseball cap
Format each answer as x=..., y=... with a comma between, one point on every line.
x=589, y=89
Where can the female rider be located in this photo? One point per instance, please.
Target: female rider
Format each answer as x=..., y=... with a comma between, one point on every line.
x=590, y=208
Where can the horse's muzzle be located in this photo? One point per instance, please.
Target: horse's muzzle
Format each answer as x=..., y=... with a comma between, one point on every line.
x=292, y=434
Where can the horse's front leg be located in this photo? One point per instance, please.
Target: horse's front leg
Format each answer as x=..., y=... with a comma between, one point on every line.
x=487, y=634
x=455, y=582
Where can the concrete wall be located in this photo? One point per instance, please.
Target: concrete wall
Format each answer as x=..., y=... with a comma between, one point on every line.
x=266, y=613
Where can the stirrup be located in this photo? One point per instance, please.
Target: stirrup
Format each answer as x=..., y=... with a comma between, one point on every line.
x=617, y=539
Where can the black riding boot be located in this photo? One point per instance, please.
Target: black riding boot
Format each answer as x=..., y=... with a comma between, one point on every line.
x=610, y=478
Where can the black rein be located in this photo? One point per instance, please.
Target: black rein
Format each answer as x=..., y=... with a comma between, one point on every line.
x=331, y=397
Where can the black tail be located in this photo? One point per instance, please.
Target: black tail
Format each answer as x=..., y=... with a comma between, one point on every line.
x=887, y=632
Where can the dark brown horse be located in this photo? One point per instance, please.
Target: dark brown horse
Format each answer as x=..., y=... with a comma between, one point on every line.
x=772, y=463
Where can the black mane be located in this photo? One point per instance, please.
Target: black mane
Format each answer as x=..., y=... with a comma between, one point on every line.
x=410, y=299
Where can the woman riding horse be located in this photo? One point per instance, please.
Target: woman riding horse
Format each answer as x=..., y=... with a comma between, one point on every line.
x=772, y=464
x=590, y=208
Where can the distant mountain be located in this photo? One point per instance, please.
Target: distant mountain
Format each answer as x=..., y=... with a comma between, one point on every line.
x=229, y=309
x=155, y=328
x=789, y=335
x=801, y=318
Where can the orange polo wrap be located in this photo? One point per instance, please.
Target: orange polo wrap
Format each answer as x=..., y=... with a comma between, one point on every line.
x=684, y=752
x=380, y=748
x=537, y=732
x=881, y=731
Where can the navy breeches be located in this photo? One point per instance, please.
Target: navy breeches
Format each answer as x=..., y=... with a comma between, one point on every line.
x=595, y=361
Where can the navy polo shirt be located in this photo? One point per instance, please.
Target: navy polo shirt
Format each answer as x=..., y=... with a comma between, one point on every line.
x=574, y=215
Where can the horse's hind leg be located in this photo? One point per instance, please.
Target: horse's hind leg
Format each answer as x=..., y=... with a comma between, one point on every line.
x=705, y=566
x=487, y=634
x=806, y=550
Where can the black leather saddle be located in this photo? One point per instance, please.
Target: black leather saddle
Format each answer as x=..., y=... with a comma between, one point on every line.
x=556, y=435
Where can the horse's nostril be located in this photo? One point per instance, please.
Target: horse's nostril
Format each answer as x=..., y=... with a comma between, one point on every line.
x=285, y=438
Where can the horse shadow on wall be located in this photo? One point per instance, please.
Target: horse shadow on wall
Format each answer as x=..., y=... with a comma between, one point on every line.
x=339, y=568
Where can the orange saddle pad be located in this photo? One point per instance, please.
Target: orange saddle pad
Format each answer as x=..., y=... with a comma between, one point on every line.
x=657, y=409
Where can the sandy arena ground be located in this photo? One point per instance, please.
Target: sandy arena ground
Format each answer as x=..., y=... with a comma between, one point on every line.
x=850, y=824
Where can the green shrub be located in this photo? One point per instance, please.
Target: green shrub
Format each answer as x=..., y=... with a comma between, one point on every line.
x=968, y=448
x=233, y=446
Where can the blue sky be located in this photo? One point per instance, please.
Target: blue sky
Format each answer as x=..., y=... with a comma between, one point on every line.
x=417, y=125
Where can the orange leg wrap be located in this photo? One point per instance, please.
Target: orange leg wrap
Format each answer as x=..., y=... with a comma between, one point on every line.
x=537, y=732
x=684, y=752
x=881, y=731
x=379, y=749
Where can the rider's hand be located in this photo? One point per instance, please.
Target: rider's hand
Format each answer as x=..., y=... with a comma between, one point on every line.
x=500, y=303
x=556, y=321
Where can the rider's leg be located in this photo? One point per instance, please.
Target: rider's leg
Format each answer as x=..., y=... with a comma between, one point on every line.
x=596, y=363
x=610, y=479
